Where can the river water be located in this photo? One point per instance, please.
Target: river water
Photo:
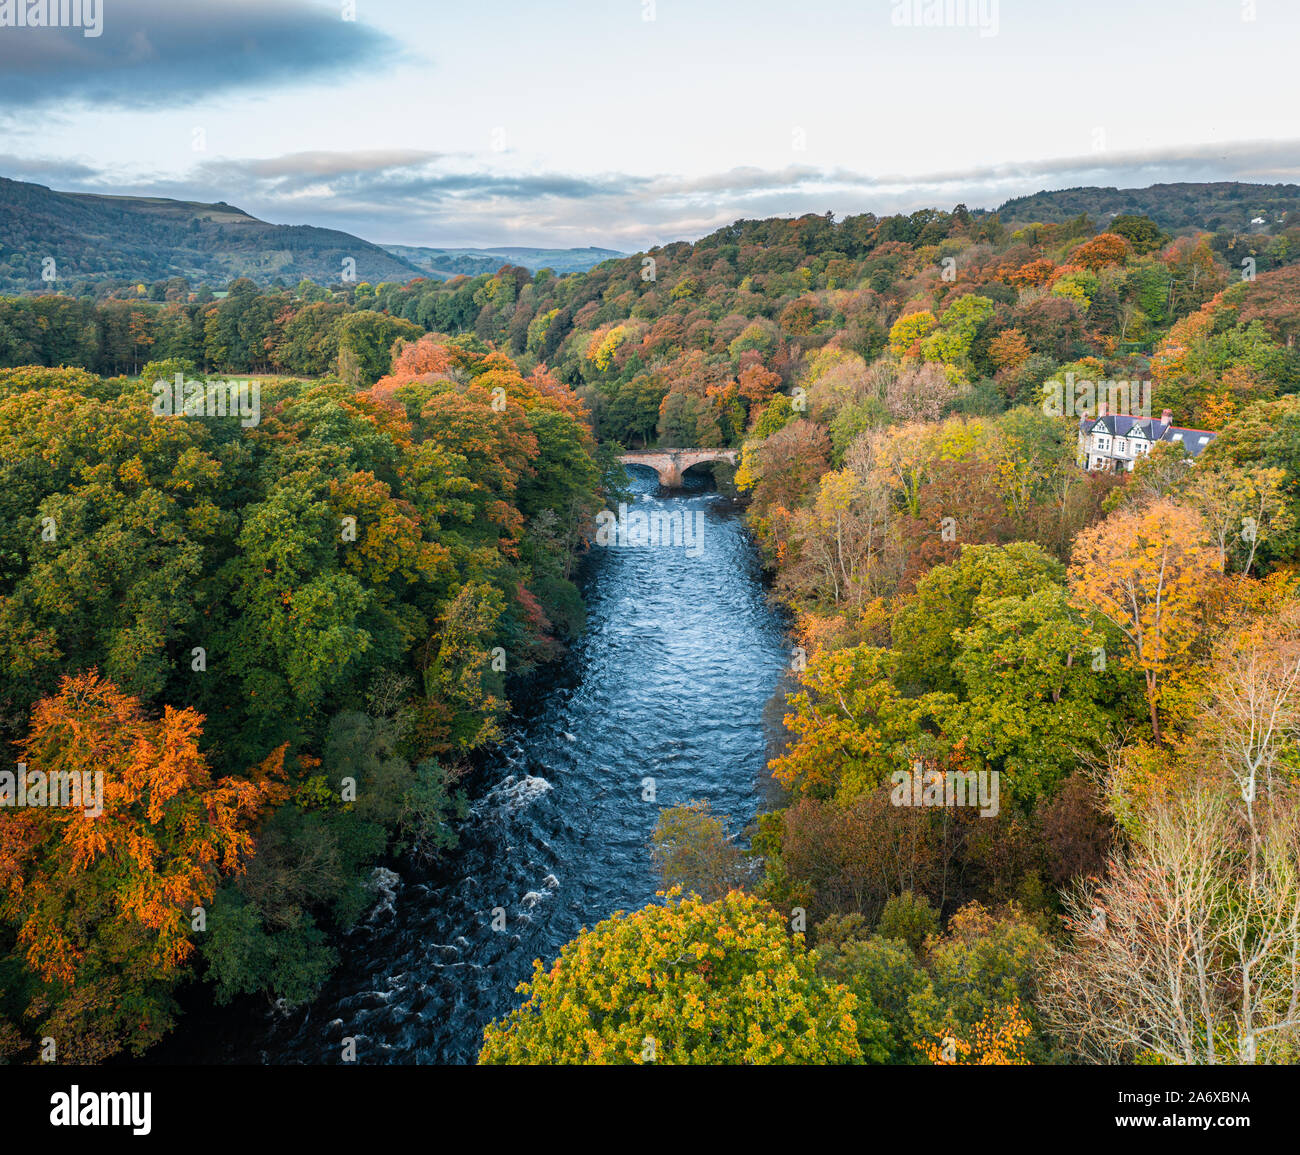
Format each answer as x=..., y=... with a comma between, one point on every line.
x=672, y=680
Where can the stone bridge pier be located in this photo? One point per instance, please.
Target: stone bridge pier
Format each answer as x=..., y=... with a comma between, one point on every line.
x=670, y=464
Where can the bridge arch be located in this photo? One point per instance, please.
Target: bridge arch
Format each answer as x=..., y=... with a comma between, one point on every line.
x=670, y=464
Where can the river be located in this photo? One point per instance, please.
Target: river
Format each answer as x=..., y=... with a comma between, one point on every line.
x=673, y=680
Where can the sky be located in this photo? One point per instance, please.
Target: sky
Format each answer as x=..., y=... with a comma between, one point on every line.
x=629, y=123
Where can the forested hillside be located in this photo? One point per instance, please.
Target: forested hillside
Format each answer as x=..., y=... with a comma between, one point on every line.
x=71, y=241
x=232, y=622
x=447, y=263
x=1225, y=205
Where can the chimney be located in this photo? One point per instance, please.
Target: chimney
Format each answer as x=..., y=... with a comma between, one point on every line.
x=1103, y=407
x=1167, y=417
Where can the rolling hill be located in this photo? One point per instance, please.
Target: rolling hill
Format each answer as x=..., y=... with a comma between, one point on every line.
x=112, y=238
x=1227, y=205
x=94, y=238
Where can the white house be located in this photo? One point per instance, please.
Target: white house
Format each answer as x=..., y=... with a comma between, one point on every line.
x=1114, y=441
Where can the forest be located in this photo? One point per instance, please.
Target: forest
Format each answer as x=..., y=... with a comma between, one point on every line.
x=286, y=642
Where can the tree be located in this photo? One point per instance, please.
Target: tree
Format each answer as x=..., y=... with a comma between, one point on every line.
x=1149, y=572
x=849, y=719
x=1075, y=832
x=966, y=997
x=1009, y=350
x=1033, y=700
x=919, y=393
x=692, y=849
x=883, y=974
x=682, y=982
x=853, y=858
x=998, y=1039
x=365, y=339
x=1252, y=723
x=1104, y=249
x=788, y=464
x=103, y=902
x=838, y=542
x=133, y=500
x=909, y=918
x=1189, y=950
x=984, y=987
x=907, y=332
x=925, y=630
x=1242, y=509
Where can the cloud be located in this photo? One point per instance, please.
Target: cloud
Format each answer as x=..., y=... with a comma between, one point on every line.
x=432, y=201
x=419, y=197
x=46, y=170
x=150, y=54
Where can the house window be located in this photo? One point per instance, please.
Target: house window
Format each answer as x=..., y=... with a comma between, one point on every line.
x=1119, y=445
x=1103, y=442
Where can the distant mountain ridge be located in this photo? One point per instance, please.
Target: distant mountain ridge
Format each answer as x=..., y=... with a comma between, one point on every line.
x=92, y=238
x=474, y=262
x=95, y=238
x=59, y=240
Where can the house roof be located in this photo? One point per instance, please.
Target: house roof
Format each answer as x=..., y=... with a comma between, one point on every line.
x=1123, y=425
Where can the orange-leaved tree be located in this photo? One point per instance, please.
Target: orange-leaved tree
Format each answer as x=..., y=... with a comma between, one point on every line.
x=998, y=1039
x=1151, y=571
x=104, y=896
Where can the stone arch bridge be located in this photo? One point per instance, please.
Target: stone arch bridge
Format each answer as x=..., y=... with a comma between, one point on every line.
x=670, y=464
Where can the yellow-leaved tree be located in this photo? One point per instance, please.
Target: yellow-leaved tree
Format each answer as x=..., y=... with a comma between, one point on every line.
x=684, y=982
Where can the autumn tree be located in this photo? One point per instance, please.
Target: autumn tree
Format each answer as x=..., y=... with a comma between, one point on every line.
x=968, y=996
x=788, y=464
x=1242, y=509
x=849, y=720
x=997, y=1039
x=685, y=982
x=692, y=849
x=1251, y=727
x=1188, y=951
x=1104, y=249
x=104, y=904
x=1149, y=572
x=839, y=544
